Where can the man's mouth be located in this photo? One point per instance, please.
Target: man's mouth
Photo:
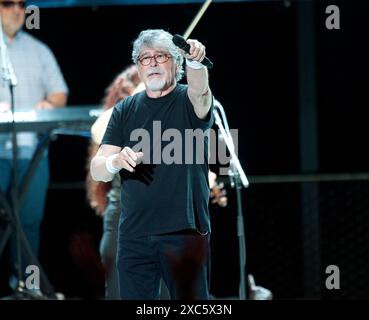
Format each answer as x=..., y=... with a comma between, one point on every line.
x=154, y=74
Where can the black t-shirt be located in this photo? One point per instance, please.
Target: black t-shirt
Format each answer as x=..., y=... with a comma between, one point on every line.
x=159, y=197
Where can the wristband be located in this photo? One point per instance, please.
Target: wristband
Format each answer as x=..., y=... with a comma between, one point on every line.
x=109, y=164
x=193, y=64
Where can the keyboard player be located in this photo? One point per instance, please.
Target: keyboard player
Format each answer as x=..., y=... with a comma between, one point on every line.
x=41, y=86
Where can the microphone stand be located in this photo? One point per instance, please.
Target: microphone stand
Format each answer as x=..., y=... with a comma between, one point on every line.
x=9, y=79
x=238, y=180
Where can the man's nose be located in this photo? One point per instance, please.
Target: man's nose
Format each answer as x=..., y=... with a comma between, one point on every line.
x=153, y=62
x=18, y=10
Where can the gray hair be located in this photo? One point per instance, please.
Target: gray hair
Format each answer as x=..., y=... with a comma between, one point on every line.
x=158, y=38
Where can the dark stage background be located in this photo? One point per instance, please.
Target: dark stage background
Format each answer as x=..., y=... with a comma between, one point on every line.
x=257, y=77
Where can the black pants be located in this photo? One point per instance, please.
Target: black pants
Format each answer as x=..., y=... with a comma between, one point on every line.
x=108, y=252
x=182, y=259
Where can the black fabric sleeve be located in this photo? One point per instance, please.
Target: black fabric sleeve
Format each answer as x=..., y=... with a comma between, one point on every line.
x=114, y=131
x=196, y=122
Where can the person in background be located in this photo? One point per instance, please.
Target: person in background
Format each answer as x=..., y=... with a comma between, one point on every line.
x=40, y=86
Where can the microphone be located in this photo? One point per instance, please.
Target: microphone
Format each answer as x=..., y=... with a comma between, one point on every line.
x=181, y=43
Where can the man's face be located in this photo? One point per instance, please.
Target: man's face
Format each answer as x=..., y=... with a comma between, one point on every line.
x=12, y=14
x=156, y=69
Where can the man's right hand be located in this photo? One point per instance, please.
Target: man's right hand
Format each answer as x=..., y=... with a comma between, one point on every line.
x=127, y=159
x=4, y=107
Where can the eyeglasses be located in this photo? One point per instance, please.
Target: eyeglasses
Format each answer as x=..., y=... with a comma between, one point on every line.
x=12, y=4
x=159, y=58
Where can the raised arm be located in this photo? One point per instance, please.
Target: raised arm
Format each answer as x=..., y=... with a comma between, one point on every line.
x=198, y=79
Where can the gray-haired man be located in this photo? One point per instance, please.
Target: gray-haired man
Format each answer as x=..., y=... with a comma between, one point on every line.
x=164, y=206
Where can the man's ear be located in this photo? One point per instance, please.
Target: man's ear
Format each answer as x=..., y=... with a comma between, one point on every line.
x=175, y=70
